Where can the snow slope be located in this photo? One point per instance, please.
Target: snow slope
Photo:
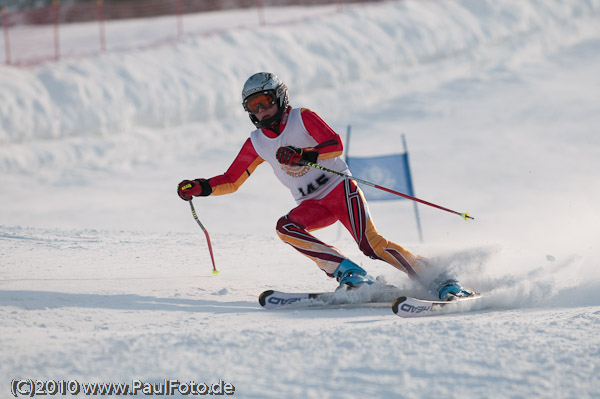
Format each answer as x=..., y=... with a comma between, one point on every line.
x=106, y=276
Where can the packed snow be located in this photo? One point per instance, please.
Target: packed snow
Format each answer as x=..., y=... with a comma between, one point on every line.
x=106, y=277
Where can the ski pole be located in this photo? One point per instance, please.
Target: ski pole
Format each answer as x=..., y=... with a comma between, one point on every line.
x=214, y=271
x=465, y=215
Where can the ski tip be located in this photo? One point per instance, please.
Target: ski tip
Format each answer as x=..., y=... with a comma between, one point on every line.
x=397, y=302
x=262, y=298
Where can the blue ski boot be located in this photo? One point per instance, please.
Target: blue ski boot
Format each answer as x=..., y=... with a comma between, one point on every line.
x=351, y=275
x=450, y=289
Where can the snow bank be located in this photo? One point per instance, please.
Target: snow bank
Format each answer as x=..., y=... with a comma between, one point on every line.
x=199, y=78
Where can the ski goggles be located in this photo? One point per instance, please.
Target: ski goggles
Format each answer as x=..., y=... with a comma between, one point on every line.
x=256, y=101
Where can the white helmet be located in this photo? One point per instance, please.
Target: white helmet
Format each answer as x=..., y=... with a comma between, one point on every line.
x=265, y=83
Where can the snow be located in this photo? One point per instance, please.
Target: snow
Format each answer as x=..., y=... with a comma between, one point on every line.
x=106, y=276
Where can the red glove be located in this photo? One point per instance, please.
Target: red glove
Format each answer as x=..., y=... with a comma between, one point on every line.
x=197, y=188
x=289, y=155
x=293, y=156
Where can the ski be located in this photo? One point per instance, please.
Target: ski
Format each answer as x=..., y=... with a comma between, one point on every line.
x=272, y=299
x=402, y=306
x=412, y=307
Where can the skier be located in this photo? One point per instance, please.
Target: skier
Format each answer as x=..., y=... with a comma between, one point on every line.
x=286, y=136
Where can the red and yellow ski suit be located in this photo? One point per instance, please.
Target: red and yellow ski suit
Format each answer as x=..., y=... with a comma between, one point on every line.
x=322, y=198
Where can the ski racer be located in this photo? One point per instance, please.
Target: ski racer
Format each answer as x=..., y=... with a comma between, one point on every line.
x=286, y=136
